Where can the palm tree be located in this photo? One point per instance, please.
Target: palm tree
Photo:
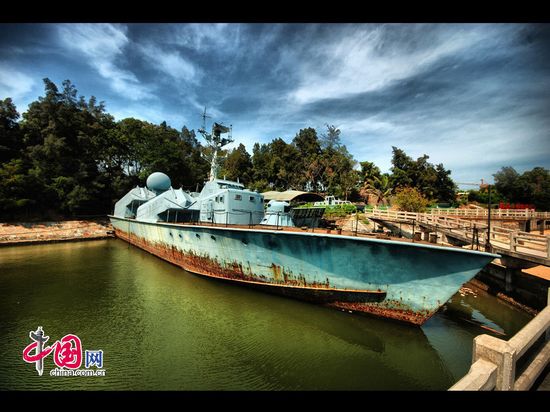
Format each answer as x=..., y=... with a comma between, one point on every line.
x=378, y=186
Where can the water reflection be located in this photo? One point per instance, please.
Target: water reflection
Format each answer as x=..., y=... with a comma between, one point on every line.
x=162, y=328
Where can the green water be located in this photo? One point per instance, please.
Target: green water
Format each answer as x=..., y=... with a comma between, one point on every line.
x=162, y=328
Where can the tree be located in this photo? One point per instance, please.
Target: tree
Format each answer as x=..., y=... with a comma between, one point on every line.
x=369, y=171
x=410, y=199
x=335, y=165
x=238, y=165
x=62, y=137
x=308, y=159
x=508, y=183
x=197, y=165
x=259, y=167
x=537, y=182
x=444, y=185
x=401, y=169
x=285, y=169
x=348, y=183
x=15, y=187
x=378, y=186
x=10, y=137
x=433, y=182
x=331, y=138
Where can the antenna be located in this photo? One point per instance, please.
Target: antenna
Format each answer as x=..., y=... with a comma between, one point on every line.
x=204, y=117
x=214, y=142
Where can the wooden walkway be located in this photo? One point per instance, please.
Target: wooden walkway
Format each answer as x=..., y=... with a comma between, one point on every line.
x=522, y=245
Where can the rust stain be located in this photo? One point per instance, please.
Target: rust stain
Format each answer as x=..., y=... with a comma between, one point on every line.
x=387, y=309
x=276, y=272
x=211, y=267
x=286, y=283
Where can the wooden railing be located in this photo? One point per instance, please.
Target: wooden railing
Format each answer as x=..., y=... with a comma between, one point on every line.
x=520, y=242
x=494, y=360
x=496, y=213
x=392, y=214
x=515, y=241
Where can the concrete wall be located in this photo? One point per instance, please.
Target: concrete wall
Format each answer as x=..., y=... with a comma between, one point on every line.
x=522, y=287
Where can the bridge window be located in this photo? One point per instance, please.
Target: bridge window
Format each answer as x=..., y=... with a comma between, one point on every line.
x=252, y=199
x=221, y=199
x=238, y=197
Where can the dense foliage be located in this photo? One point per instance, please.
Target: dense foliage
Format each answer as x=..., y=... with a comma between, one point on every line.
x=67, y=156
x=532, y=186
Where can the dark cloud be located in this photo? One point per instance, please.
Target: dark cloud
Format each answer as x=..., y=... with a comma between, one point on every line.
x=458, y=92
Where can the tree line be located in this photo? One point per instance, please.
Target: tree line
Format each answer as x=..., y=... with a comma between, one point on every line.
x=532, y=187
x=67, y=156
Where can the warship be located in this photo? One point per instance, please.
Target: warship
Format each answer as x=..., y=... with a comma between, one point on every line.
x=225, y=232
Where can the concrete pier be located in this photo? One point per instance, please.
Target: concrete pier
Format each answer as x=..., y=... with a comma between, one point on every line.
x=494, y=360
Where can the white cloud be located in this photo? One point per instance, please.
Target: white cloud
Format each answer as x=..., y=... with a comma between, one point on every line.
x=207, y=36
x=470, y=147
x=104, y=46
x=171, y=63
x=365, y=60
x=14, y=84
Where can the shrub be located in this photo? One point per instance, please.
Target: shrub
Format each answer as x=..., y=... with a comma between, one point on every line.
x=409, y=199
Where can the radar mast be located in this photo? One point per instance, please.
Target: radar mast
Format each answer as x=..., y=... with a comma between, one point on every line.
x=215, y=142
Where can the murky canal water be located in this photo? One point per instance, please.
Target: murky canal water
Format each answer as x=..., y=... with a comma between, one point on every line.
x=161, y=328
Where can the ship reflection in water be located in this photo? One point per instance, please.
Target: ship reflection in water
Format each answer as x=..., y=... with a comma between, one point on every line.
x=162, y=328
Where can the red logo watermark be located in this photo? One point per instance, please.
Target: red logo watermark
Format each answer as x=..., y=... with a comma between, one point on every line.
x=67, y=352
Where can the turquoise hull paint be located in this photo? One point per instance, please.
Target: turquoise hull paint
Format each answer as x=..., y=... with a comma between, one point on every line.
x=419, y=277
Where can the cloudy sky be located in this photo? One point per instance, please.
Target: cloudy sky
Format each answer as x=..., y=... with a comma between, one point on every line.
x=474, y=97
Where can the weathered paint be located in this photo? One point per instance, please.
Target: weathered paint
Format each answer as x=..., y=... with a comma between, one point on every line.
x=403, y=281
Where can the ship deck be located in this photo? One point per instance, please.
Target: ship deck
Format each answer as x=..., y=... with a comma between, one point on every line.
x=335, y=232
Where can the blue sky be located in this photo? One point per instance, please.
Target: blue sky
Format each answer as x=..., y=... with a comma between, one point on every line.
x=474, y=97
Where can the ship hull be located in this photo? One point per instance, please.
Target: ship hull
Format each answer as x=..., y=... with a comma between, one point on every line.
x=404, y=281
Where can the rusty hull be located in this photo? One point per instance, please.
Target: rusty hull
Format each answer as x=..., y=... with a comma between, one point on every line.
x=287, y=284
x=403, y=281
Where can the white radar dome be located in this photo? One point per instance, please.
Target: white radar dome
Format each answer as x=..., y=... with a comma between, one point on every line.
x=158, y=182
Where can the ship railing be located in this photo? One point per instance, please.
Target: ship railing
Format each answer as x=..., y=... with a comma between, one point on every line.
x=222, y=218
x=495, y=361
